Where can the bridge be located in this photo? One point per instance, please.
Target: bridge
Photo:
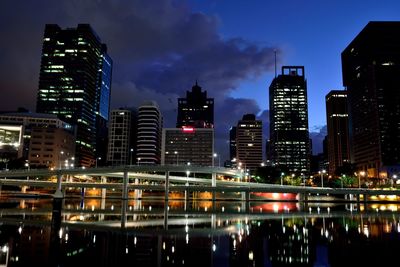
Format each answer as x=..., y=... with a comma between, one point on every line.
x=167, y=178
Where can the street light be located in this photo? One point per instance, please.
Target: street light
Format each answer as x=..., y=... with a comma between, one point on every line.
x=341, y=180
x=394, y=178
x=214, y=156
x=282, y=174
x=322, y=177
x=138, y=161
x=99, y=158
x=177, y=156
x=361, y=173
x=131, y=157
x=59, y=159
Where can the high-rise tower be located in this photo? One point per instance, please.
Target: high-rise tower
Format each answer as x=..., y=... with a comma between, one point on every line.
x=75, y=84
x=337, y=121
x=149, y=133
x=289, y=137
x=249, y=142
x=196, y=110
x=371, y=75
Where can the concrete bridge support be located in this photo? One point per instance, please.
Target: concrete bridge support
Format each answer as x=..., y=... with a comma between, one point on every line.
x=125, y=185
x=58, y=193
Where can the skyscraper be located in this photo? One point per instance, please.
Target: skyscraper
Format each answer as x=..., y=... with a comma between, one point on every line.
x=289, y=138
x=196, y=109
x=149, y=132
x=74, y=84
x=249, y=142
x=122, y=137
x=337, y=121
x=371, y=75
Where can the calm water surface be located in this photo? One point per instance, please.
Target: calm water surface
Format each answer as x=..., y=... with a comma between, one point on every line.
x=96, y=232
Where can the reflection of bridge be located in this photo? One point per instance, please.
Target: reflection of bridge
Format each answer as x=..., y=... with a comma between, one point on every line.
x=166, y=178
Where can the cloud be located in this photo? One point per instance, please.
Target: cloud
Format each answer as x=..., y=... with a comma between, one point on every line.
x=159, y=48
x=317, y=134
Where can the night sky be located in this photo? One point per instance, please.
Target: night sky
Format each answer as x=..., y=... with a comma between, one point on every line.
x=160, y=47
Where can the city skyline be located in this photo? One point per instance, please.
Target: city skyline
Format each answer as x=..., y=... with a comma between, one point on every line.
x=160, y=60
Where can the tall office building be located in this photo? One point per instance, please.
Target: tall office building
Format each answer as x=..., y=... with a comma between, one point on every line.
x=149, y=132
x=337, y=121
x=196, y=110
x=188, y=145
x=74, y=84
x=122, y=137
x=249, y=142
x=289, y=137
x=371, y=75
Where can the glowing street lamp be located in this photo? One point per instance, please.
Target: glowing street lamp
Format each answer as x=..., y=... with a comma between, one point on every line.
x=131, y=156
x=177, y=157
x=361, y=173
x=282, y=174
x=214, y=156
x=322, y=177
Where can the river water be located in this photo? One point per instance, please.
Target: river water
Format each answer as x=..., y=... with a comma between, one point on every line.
x=111, y=232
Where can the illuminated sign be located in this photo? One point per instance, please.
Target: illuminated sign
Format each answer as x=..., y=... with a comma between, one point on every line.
x=11, y=140
x=187, y=129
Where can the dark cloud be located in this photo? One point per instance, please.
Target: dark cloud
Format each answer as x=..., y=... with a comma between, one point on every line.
x=317, y=134
x=159, y=49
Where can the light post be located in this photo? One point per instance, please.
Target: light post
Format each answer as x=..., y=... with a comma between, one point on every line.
x=138, y=161
x=99, y=158
x=131, y=157
x=282, y=174
x=394, y=177
x=322, y=177
x=59, y=159
x=28, y=166
x=361, y=173
x=214, y=156
x=177, y=156
x=341, y=179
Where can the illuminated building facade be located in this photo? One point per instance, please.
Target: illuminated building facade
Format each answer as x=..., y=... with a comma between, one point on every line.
x=149, y=131
x=57, y=136
x=122, y=137
x=289, y=137
x=75, y=85
x=371, y=75
x=188, y=145
x=337, y=121
x=249, y=142
x=196, y=110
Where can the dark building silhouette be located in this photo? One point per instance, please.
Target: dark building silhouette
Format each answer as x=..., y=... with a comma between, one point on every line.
x=249, y=142
x=122, y=136
x=75, y=85
x=371, y=75
x=289, y=137
x=337, y=121
x=196, y=109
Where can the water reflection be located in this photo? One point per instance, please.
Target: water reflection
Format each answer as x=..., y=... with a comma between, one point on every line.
x=111, y=232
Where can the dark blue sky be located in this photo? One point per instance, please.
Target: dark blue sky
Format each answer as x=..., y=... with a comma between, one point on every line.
x=161, y=47
x=312, y=33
